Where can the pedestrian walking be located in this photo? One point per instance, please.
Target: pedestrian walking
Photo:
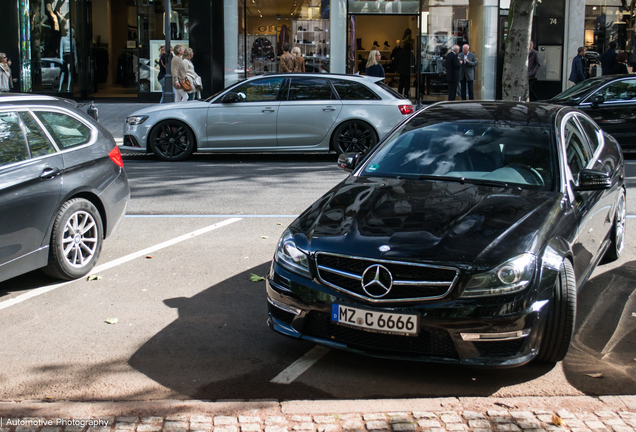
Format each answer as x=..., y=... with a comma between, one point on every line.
x=287, y=60
x=577, y=75
x=468, y=61
x=621, y=63
x=195, y=80
x=452, y=72
x=608, y=60
x=405, y=62
x=5, y=74
x=163, y=60
x=179, y=74
x=533, y=70
x=299, y=61
x=373, y=67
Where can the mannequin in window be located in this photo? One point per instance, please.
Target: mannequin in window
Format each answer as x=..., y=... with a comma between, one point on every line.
x=175, y=27
x=68, y=53
x=55, y=34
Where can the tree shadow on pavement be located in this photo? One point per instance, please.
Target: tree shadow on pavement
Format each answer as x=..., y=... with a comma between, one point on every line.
x=605, y=338
x=221, y=348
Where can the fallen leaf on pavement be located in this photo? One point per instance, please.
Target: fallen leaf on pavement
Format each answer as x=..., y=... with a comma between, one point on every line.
x=634, y=314
x=256, y=278
x=501, y=404
x=264, y=237
x=557, y=421
x=93, y=277
x=112, y=321
x=594, y=375
x=278, y=223
x=149, y=257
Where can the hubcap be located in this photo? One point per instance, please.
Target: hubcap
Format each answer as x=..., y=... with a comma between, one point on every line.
x=171, y=141
x=355, y=138
x=620, y=225
x=79, y=241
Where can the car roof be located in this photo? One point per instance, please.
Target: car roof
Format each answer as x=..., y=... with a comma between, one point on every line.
x=508, y=111
x=317, y=75
x=32, y=98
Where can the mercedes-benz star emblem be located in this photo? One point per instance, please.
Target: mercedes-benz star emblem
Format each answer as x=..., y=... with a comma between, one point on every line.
x=377, y=281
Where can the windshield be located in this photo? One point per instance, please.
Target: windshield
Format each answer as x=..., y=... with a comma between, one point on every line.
x=486, y=152
x=226, y=88
x=579, y=91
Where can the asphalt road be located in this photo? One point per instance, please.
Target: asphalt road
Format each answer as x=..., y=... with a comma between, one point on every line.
x=191, y=324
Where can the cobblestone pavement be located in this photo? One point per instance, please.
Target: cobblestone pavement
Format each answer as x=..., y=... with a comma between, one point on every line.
x=562, y=414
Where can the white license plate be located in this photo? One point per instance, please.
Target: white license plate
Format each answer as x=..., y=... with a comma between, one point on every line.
x=376, y=321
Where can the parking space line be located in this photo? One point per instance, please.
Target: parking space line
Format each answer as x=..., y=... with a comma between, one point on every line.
x=299, y=367
x=39, y=291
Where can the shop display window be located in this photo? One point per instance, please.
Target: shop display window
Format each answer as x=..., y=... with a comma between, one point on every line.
x=382, y=7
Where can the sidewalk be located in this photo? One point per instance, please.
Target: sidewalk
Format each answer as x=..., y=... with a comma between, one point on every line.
x=532, y=414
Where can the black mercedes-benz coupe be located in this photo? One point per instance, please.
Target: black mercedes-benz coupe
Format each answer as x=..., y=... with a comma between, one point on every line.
x=463, y=237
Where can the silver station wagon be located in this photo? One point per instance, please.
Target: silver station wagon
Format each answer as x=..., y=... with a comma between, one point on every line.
x=272, y=113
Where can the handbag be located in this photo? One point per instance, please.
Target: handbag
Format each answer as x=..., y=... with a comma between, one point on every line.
x=185, y=84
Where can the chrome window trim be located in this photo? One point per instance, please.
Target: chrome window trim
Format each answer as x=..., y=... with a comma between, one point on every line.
x=396, y=282
x=607, y=84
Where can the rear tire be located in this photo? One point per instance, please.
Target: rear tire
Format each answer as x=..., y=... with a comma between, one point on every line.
x=618, y=231
x=559, y=328
x=171, y=141
x=76, y=240
x=353, y=137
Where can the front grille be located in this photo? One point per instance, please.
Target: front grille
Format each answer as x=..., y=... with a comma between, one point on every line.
x=411, y=281
x=429, y=342
x=500, y=348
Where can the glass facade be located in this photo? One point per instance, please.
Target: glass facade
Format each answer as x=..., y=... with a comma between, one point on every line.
x=608, y=21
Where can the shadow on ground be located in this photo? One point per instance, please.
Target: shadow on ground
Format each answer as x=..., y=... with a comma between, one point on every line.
x=221, y=348
x=605, y=339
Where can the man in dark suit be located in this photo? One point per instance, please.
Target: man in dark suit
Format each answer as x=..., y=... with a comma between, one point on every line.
x=608, y=60
x=452, y=71
x=533, y=70
x=468, y=62
x=577, y=75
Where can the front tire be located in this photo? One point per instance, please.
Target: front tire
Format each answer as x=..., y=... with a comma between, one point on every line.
x=171, y=141
x=354, y=137
x=76, y=240
x=559, y=328
x=617, y=232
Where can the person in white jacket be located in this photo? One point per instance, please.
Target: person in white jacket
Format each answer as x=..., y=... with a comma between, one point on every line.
x=5, y=74
x=195, y=80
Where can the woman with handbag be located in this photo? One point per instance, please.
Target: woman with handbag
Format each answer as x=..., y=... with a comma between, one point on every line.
x=179, y=75
x=192, y=75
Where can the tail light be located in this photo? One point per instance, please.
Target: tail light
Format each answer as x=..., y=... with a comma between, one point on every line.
x=406, y=109
x=115, y=156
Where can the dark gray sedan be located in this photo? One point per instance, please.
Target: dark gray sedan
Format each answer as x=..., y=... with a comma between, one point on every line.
x=63, y=188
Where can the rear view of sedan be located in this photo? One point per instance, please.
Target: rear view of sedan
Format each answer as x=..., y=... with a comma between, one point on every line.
x=464, y=237
x=272, y=113
x=63, y=188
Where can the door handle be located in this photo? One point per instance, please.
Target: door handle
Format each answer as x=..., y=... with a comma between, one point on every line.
x=50, y=173
x=328, y=109
x=269, y=110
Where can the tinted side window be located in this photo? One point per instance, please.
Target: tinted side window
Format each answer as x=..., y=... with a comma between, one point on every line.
x=13, y=146
x=349, y=90
x=578, y=150
x=67, y=131
x=620, y=90
x=593, y=133
x=38, y=142
x=309, y=89
x=262, y=90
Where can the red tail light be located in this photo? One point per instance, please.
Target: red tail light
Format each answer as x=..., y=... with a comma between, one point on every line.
x=406, y=109
x=115, y=156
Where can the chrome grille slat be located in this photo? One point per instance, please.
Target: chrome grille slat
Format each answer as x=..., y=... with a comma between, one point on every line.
x=344, y=273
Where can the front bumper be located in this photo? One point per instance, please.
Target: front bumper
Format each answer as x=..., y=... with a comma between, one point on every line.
x=504, y=332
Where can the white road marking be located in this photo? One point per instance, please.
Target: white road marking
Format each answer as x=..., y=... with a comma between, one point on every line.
x=297, y=368
x=39, y=291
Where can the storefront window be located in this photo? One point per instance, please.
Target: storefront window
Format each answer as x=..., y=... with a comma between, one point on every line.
x=607, y=21
x=379, y=6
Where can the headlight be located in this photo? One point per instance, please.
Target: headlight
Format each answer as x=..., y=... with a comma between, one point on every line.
x=510, y=277
x=136, y=120
x=290, y=257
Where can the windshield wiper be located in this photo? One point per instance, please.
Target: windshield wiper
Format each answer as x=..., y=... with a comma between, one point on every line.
x=463, y=180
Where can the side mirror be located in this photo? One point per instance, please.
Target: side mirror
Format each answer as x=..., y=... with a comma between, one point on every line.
x=232, y=97
x=593, y=180
x=597, y=99
x=348, y=161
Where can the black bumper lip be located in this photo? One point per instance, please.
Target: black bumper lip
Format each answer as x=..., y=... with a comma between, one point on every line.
x=440, y=333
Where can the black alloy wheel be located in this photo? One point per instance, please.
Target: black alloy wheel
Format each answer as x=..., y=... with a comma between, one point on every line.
x=617, y=234
x=354, y=137
x=172, y=141
x=76, y=240
x=559, y=327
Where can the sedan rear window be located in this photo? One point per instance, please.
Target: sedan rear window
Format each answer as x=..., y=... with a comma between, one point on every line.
x=67, y=131
x=479, y=152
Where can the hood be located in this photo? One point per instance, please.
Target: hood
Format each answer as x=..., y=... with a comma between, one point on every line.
x=427, y=220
